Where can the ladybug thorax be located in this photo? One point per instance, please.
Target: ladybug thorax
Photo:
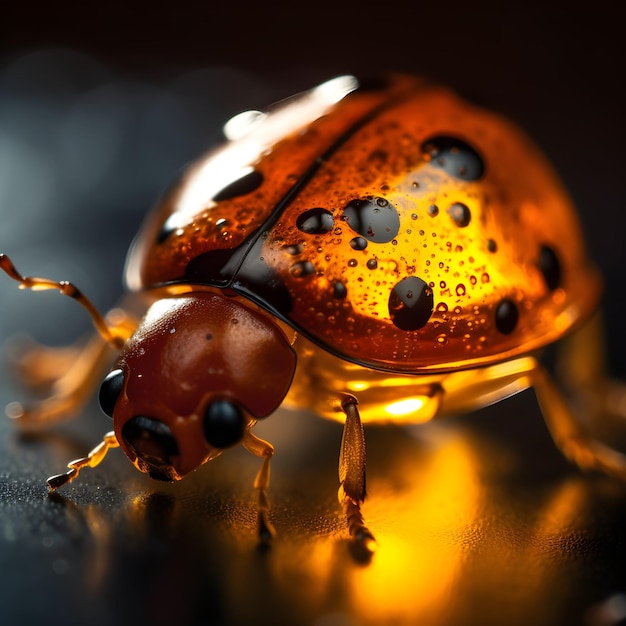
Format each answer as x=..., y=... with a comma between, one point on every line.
x=193, y=346
x=195, y=358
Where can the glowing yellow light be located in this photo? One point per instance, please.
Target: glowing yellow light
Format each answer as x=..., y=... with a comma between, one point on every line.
x=405, y=407
x=440, y=501
x=358, y=385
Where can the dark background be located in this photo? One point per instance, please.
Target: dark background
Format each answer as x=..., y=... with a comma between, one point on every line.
x=479, y=519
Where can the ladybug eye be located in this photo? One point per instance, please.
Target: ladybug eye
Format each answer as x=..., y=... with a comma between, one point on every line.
x=152, y=443
x=110, y=390
x=224, y=424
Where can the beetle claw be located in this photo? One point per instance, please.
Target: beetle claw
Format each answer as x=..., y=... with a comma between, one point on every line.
x=54, y=482
x=363, y=546
x=266, y=530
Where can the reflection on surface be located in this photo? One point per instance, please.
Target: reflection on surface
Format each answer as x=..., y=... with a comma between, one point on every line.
x=472, y=529
x=468, y=533
x=441, y=498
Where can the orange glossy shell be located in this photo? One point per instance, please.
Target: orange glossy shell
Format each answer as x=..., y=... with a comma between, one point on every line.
x=395, y=226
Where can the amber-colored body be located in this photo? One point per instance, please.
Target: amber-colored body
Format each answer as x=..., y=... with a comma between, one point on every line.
x=333, y=282
x=412, y=251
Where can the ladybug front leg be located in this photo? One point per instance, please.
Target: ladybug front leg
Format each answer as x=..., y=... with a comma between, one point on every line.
x=94, y=458
x=67, y=289
x=352, y=489
x=72, y=373
x=265, y=450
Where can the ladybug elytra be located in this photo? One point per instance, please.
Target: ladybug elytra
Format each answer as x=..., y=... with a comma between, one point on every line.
x=382, y=253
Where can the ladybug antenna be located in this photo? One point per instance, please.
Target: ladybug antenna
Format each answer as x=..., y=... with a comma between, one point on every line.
x=67, y=289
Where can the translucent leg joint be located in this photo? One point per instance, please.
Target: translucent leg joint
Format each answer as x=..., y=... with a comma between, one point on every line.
x=94, y=458
x=263, y=449
x=364, y=539
x=67, y=289
x=352, y=480
x=569, y=436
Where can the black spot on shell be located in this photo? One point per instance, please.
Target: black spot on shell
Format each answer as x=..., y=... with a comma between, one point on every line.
x=550, y=267
x=507, y=316
x=358, y=243
x=411, y=303
x=339, y=291
x=302, y=268
x=294, y=249
x=460, y=214
x=315, y=221
x=245, y=271
x=455, y=157
x=376, y=219
x=492, y=246
x=240, y=187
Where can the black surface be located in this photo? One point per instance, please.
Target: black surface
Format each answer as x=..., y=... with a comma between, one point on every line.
x=479, y=520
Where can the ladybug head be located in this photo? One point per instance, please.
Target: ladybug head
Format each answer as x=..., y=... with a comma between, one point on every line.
x=197, y=373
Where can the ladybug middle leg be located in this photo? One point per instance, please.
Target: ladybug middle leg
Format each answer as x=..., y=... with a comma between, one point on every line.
x=352, y=489
x=68, y=390
x=265, y=450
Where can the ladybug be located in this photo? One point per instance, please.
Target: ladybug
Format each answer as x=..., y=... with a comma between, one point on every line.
x=375, y=252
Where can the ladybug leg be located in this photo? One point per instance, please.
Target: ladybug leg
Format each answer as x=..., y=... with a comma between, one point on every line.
x=94, y=458
x=71, y=389
x=574, y=439
x=596, y=410
x=70, y=373
x=265, y=450
x=37, y=365
x=570, y=422
x=67, y=289
x=582, y=367
x=352, y=490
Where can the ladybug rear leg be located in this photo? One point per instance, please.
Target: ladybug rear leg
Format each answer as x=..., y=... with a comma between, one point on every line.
x=352, y=489
x=593, y=418
x=582, y=368
x=265, y=450
x=574, y=439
